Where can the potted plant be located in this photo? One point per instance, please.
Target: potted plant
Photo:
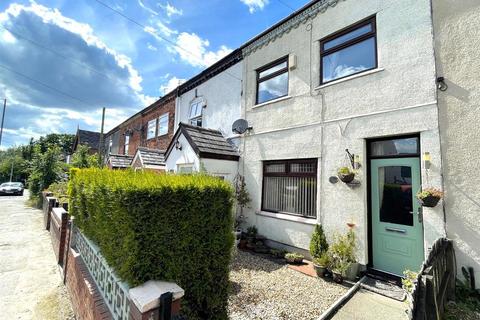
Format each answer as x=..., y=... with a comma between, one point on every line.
x=342, y=255
x=243, y=241
x=321, y=265
x=429, y=197
x=278, y=254
x=339, y=270
x=251, y=236
x=408, y=283
x=345, y=174
x=294, y=258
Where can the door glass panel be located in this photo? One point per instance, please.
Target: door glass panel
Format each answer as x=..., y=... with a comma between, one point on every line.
x=394, y=147
x=395, y=194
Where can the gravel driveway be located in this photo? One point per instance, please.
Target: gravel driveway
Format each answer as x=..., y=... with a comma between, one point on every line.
x=30, y=283
x=263, y=289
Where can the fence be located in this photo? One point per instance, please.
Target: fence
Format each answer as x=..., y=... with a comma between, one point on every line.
x=435, y=282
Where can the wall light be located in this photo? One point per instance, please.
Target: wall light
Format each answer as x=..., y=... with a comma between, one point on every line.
x=178, y=145
x=427, y=160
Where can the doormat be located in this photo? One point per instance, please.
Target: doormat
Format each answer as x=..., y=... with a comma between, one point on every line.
x=384, y=287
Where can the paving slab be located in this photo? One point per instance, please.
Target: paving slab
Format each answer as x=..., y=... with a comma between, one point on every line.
x=31, y=285
x=367, y=305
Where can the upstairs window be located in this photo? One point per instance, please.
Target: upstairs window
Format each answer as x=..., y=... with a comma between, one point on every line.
x=290, y=186
x=195, y=117
x=348, y=52
x=152, y=129
x=127, y=141
x=163, y=125
x=272, y=81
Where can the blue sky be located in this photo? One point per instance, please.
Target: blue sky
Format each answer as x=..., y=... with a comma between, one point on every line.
x=61, y=61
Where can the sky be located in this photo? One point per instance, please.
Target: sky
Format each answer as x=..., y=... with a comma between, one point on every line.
x=62, y=61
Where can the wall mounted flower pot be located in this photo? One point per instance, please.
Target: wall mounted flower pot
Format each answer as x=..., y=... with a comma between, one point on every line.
x=346, y=178
x=429, y=201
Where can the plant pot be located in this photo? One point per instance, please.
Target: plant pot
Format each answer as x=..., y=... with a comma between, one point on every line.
x=352, y=271
x=294, y=260
x=337, y=277
x=320, y=270
x=242, y=244
x=429, y=201
x=346, y=178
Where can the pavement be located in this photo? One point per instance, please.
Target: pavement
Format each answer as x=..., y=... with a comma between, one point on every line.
x=367, y=305
x=31, y=285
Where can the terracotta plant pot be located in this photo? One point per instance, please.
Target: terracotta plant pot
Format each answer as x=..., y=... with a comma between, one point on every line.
x=346, y=178
x=430, y=201
x=337, y=277
x=320, y=270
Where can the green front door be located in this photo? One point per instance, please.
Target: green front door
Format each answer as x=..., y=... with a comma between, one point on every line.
x=397, y=228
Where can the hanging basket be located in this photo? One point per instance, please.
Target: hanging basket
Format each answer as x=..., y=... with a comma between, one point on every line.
x=346, y=178
x=429, y=201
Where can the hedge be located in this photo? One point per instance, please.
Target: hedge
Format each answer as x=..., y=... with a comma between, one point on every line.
x=160, y=227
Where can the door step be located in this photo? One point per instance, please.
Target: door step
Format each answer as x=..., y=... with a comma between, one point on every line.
x=384, y=286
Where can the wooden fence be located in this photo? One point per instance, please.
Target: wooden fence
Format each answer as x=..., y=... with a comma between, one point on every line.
x=435, y=283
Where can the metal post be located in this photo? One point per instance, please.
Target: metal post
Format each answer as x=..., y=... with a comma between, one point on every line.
x=100, y=146
x=165, y=311
x=3, y=118
x=11, y=170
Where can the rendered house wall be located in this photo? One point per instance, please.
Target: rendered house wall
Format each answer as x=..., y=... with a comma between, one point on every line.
x=399, y=98
x=457, y=43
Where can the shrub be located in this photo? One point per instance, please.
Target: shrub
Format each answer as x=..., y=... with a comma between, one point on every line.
x=342, y=251
x=318, y=243
x=162, y=227
x=59, y=191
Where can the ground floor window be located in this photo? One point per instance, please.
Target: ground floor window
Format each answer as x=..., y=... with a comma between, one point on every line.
x=185, y=168
x=290, y=186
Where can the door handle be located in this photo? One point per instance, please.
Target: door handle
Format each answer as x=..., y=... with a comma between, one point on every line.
x=419, y=214
x=402, y=231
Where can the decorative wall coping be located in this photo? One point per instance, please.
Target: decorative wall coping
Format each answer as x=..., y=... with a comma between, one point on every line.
x=58, y=212
x=310, y=11
x=146, y=296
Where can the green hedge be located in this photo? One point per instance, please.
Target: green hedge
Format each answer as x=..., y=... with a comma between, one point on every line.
x=162, y=227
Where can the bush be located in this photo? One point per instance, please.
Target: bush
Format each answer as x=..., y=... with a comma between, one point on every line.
x=162, y=227
x=59, y=191
x=318, y=243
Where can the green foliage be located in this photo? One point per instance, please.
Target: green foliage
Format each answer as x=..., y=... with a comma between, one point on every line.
x=242, y=197
x=342, y=251
x=409, y=280
x=62, y=141
x=252, y=232
x=344, y=170
x=467, y=300
x=430, y=192
x=82, y=158
x=59, y=190
x=323, y=260
x=9, y=158
x=164, y=227
x=318, y=243
x=46, y=169
x=293, y=256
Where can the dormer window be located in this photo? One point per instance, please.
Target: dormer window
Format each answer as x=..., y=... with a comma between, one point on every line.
x=195, y=116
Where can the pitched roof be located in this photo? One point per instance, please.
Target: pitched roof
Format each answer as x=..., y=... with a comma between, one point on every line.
x=120, y=160
x=207, y=143
x=151, y=157
x=89, y=138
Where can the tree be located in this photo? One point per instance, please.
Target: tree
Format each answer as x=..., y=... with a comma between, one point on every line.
x=83, y=159
x=46, y=169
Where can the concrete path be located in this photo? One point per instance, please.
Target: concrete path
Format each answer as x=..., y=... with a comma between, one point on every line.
x=30, y=282
x=367, y=305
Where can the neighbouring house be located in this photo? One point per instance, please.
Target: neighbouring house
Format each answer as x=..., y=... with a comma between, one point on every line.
x=457, y=40
x=151, y=128
x=89, y=138
x=119, y=161
x=150, y=159
x=196, y=149
x=210, y=101
x=345, y=84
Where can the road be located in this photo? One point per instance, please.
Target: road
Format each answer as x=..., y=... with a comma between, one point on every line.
x=30, y=281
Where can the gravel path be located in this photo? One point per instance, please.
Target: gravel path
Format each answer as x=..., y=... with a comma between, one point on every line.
x=263, y=289
x=30, y=282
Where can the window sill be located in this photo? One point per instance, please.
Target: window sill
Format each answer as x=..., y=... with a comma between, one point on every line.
x=355, y=76
x=271, y=101
x=288, y=217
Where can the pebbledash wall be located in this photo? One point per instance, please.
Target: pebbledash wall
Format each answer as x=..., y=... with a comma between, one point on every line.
x=457, y=43
x=321, y=121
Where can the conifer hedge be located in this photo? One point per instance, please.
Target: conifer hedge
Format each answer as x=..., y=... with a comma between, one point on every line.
x=162, y=227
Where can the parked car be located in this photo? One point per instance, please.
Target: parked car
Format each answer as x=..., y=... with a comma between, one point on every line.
x=12, y=188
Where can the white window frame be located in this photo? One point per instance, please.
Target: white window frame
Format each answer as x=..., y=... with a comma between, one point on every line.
x=152, y=124
x=127, y=142
x=160, y=131
x=185, y=166
x=197, y=116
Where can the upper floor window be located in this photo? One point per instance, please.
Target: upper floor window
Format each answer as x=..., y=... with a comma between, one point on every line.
x=349, y=51
x=195, y=116
x=127, y=141
x=163, y=125
x=152, y=128
x=272, y=81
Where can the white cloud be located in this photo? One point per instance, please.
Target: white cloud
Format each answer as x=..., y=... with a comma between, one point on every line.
x=171, y=85
x=151, y=47
x=141, y=4
x=170, y=10
x=193, y=50
x=162, y=31
x=254, y=5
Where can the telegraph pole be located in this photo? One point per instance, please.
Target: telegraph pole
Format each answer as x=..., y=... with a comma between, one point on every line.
x=100, y=147
x=11, y=172
x=3, y=118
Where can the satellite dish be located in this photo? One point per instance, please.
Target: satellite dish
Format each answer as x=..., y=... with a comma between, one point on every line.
x=240, y=126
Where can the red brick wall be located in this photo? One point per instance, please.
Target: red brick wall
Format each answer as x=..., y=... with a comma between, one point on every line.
x=139, y=126
x=58, y=229
x=86, y=299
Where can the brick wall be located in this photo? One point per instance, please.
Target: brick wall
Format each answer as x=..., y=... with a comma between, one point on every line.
x=87, y=302
x=139, y=125
x=58, y=230
x=48, y=204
